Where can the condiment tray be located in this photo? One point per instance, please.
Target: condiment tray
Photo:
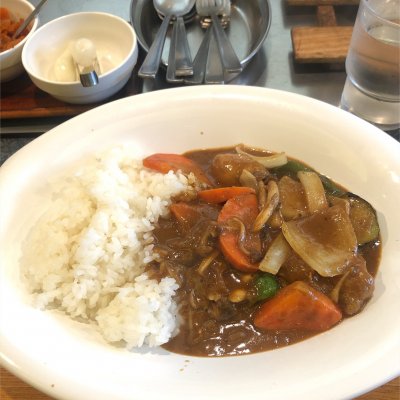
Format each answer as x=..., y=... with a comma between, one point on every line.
x=247, y=30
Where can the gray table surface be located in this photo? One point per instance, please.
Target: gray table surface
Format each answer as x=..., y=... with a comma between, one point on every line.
x=272, y=67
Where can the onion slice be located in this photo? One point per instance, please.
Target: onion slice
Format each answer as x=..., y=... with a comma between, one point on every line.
x=206, y=262
x=325, y=240
x=314, y=190
x=270, y=161
x=277, y=253
x=262, y=195
x=248, y=179
x=334, y=295
x=269, y=207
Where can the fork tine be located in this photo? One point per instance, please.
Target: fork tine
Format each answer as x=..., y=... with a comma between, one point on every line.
x=199, y=6
x=220, y=4
x=207, y=7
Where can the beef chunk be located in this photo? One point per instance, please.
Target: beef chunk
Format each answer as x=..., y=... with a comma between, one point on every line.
x=357, y=288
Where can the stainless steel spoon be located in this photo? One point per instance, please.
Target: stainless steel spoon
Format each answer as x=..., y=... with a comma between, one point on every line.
x=171, y=75
x=28, y=19
x=170, y=9
x=183, y=58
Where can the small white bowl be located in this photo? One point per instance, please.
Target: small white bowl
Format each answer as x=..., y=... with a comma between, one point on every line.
x=114, y=39
x=10, y=60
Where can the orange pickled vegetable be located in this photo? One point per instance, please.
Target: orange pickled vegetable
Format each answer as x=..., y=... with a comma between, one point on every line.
x=8, y=27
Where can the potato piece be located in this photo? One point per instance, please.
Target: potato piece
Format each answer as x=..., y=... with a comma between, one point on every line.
x=292, y=197
x=227, y=168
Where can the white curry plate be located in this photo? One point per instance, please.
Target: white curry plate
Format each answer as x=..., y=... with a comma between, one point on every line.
x=68, y=360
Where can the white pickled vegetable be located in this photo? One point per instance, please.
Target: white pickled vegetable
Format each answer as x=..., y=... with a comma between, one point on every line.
x=64, y=69
x=84, y=52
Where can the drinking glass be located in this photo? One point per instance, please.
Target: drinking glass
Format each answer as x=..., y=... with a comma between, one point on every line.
x=372, y=88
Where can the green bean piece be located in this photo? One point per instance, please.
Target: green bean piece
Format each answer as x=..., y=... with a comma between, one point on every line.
x=292, y=167
x=331, y=187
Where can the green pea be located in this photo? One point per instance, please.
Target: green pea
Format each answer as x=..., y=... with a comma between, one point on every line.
x=266, y=286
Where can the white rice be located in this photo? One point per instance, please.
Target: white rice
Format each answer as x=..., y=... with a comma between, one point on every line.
x=87, y=253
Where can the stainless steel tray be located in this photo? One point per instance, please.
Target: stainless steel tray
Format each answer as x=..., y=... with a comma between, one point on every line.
x=248, y=28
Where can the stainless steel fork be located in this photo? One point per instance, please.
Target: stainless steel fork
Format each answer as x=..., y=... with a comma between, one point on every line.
x=213, y=8
x=224, y=17
x=207, y=65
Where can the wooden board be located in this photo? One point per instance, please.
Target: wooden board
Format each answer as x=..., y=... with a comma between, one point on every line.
x=322, y=2
x=326, y=16
x=325, y=44
x=13, y=388
x=20, y=98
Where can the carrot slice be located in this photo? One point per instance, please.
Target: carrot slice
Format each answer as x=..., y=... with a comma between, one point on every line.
x=164, y=163
x=220, y=195
x=298, y=306
x=244, y=208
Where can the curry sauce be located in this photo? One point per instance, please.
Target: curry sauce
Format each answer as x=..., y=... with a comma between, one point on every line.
x=219, y=298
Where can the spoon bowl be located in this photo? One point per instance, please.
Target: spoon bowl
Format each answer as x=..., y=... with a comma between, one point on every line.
x=170, y=9
x=176, y=8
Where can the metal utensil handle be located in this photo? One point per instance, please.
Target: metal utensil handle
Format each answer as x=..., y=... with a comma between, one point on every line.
x=183, y=58
x=214, y=67
x=30, y=17
x=151, y=63
x=171, y=68
x=229, y=58
x=200, y=61
x=89, y=79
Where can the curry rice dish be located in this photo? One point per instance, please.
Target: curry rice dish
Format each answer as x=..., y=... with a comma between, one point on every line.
x=211, y=253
